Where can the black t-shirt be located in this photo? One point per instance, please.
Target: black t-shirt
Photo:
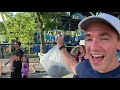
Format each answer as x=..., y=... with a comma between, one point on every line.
x=17, y=69
x=20, y=51
x=85, y=70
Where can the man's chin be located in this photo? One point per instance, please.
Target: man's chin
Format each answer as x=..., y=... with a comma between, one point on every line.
x=98, y=68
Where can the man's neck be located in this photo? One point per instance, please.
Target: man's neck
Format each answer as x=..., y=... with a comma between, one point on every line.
x=17, y=60
x=114, y=65
x=17, y=48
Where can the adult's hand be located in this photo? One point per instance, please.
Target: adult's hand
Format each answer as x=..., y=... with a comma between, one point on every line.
x=71, y=62
x=60, y=40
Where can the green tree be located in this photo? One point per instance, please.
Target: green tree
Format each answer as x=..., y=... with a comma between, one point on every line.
x=47, y=21
x=21, y=26
x=24, y=24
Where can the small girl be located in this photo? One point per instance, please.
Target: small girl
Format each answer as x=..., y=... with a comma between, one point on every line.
x=25, y=66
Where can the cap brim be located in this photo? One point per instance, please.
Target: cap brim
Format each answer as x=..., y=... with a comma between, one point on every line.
x=83, y=25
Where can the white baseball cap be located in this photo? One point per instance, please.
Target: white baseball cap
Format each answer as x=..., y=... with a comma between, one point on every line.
x=103, y=17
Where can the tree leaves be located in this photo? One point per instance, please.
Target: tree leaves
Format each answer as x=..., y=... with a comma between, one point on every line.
x=24, y=24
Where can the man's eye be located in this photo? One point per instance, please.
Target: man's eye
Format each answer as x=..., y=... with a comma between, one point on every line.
x=104, y=39
x=88, y=39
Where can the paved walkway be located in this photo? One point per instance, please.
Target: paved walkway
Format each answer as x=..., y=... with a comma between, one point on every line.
x=38, y=73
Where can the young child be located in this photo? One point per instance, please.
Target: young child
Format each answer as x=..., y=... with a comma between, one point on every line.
x=25, y=66
x=16, y=67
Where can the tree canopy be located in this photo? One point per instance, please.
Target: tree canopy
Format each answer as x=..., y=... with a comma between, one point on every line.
x=24, y=24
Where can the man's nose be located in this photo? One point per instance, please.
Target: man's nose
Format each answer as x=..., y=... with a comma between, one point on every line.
x=95, y=45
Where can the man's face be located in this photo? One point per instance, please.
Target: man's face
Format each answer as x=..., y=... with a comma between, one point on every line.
x=101, y=45
x=17, y=45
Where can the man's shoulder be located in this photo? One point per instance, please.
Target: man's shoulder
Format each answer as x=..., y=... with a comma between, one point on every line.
x=83, y=68
x=19, y=50
x=19, y=62
x=86, y=61
x=83, y=64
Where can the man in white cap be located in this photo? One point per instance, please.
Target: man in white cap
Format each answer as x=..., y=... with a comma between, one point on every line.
x=102, y=41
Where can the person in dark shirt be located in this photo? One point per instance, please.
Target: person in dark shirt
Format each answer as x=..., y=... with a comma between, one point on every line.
x=17, y=49
x=102, y=40
x=16, y=67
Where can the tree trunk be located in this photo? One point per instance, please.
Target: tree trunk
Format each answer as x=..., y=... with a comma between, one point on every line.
x=40, y=22
x=42, y=49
